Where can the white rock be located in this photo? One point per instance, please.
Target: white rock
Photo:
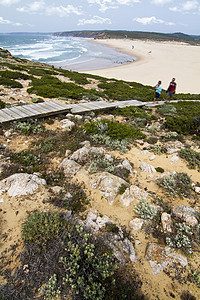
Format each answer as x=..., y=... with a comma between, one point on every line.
x=174, y=159
x=172, y=151
x=20, y=184
x=133, y=193
x=166, y=222
x=152, y=157
x=67, y=153
x=70, y=167
x=136, y=224
x=147, y=168
x=67, y=124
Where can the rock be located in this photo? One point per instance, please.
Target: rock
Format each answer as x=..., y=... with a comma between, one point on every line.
x=1, y=200
x=126, y=164
x=108, y=157
x=160, y=256
x=147, y=168
x=174, y=159
x=20, y=184
x=85, y=143
x=172, y=150
x=67, y=153
x=56, y=189
x=8, y=133
x=82, y=154
x=166, y=222
x=108, y=185
x=133, y=193
x=136, y=224
x=152, y=157
x=67, y=124
x=188, y=214
x=70, y=167
x=78, y=117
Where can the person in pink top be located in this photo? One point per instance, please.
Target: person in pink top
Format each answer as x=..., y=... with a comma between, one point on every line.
x=171, y=89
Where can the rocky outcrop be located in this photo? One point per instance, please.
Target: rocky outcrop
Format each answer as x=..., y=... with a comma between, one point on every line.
x=20, y=184
x=187, y=214
x=160, y=256
x=70, y=167
x=108, y=184
x=133, y=193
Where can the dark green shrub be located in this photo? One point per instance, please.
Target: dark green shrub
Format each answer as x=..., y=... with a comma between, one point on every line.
x=27, y=159
x=191, y=156
x=37, y=100
x=160, y=170
x=122, y=189
x=75, y=76
x=42, y=227
x=120, y=90
x=10, y=83
x=2, y=104
x=113, y=129
x=13, y=75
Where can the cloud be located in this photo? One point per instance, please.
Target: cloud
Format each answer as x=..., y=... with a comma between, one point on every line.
x=152, y=20
x=94, y=20
x=188, y=6
x=160, y=2
x=108, y=4
x=6, y=22
x=8, y=2
x=42, y=8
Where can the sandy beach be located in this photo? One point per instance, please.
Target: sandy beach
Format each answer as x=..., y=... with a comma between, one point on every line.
x=156, y=61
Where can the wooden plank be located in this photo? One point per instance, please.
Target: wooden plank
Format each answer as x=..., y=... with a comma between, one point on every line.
x=5, y=117
x=11, y=113
x=24, y=109
x=59, y=105
x=19, y=111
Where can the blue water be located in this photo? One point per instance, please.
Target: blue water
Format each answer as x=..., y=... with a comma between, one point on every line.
x=61, y=51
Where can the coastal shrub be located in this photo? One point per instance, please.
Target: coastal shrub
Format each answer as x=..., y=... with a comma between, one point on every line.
x=78, y=78
x=191, y=156
x=52, y=87
x=187, y=120
x=160, y=170
x=133, y=112
x=32, y=126
x=28, y=159
x=182, y=238
x=72, y=196
x=37, y=100
x=158, y=149
x=2, y=104
x=121, y=90
x=10, y=83
x=103, y=139
x=42, y=227
x=14, y=66
x=167, y=110
x=99, y=163
x=178, y=184
x=13, y=75
x=41, y=71
x=152, y=140
x=145, y=210
x=113, y=129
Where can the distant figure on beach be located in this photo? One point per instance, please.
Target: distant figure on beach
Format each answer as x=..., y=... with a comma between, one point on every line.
x=158, y=88
x=171, y=89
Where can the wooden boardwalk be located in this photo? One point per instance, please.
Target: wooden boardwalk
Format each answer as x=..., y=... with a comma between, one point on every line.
x=37, y=110
x=48, y=108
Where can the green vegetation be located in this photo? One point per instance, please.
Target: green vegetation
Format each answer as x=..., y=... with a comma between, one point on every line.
x=113, y=129
x=42, y=227
x=2, y=104
x=191, y=156
x=121, y=91
x=13, y=75
x=145, y=210
x=187, y=120
x=10, y=83
x=31, y=126
x=176, y=185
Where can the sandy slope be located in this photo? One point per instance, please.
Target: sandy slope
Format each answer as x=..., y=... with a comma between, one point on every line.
x=156, y=61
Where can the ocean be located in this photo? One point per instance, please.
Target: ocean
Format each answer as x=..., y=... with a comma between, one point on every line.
x=72, y=53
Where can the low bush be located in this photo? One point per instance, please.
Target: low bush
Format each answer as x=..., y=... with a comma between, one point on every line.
x=145, y=210
x=13, y=75
x=191, y=156
x=10, y=83
x=113, y=129
x=32, y=126
x=176, y=185
x=2, y=104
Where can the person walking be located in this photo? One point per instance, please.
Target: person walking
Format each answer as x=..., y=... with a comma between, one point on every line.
x=158, y=88
x=171, y=89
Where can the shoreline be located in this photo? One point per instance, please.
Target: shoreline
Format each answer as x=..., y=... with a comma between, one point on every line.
x=155, y=61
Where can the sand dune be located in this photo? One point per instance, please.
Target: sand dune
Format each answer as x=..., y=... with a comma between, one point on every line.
x=156, y=61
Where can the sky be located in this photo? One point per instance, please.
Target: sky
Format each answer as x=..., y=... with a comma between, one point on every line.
x=166, y=16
